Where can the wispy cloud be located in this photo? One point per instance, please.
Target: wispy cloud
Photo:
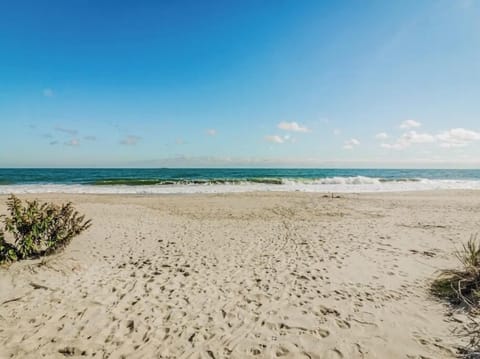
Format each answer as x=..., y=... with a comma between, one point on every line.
x=90, y=138
x=466, y=4
x=381, y=136
x=73, y=142
x=274, y=139
x=130, y=140
x=69, y=131
x=292, y=126
x=415, y=138
x=351, y=143
x=457, y=137
x=212, y=132
x=453, y=138
x=409, y=138
x=408, y=124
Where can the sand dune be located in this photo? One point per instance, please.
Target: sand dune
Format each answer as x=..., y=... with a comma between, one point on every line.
x=259, y=275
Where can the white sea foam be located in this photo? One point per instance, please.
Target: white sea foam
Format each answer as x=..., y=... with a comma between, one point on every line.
x=324, y=185
x=357, y=180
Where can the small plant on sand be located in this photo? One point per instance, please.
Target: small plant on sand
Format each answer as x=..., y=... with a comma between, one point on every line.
x=462, y=286
x=472, y=332
x=39, y=229
x=8, y=252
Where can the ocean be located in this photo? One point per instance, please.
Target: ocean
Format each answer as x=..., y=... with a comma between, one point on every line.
x=214, y=180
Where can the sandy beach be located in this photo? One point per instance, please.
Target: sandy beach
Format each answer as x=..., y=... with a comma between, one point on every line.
x=252, y=275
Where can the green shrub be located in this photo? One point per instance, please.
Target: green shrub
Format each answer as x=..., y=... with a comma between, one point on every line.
x=39, y=229
x=8, y=253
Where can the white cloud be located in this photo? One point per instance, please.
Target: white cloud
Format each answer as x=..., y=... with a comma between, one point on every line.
x=414, y=137
x=337, y=131
x=457, y=137
x=292, y=126
x=409, y=138
x=212, y=132
x=453, y=138
x=130, y=140
x=408, y=124
x=47, y=92
x=274, y=139
x=381, y=136
x=350, y=144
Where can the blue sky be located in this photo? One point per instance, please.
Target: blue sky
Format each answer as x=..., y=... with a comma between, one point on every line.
x=240, y=83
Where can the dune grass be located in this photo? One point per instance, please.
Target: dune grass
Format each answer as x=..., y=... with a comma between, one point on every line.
x=461, y=287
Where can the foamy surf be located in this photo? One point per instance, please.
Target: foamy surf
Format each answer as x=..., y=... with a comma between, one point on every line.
x=357, y=184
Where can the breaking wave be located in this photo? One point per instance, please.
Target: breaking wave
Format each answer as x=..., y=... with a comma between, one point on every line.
x=224, y=185
x=242, y=181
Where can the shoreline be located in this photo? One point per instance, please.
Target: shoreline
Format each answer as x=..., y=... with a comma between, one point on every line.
x=427, y=192
x=240, y=191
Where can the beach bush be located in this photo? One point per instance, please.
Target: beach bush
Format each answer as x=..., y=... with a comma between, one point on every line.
x=38, y=229
x=8, y=252
x=462, y=286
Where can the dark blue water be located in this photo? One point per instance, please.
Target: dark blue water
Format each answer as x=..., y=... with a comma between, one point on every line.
x=124, y=176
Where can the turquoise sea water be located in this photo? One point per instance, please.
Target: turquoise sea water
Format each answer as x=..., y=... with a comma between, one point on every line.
x=228, y=180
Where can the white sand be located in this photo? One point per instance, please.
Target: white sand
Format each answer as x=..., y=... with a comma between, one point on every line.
x=260, y=275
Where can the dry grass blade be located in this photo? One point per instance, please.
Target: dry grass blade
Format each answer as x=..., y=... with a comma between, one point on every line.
x=469, y=256
x=462, y=287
